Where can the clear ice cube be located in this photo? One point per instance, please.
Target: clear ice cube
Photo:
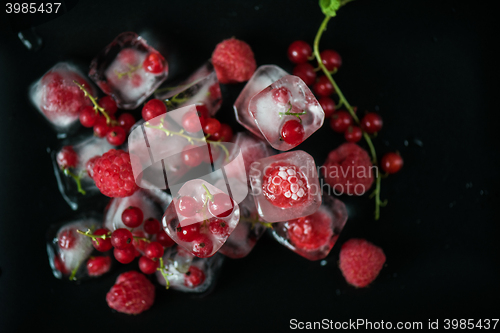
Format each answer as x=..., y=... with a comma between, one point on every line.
x=58, y=98
x=118, y=70
x=313, y=236
x=285, y=186
x=202, y=87
x=262, y=78
x=287, y=99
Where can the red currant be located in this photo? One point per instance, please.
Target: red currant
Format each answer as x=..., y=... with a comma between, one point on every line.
x=281, y=96
x=211, y=126
x=154, y=250
x=125, y=255
x=104, y=244
x=191, y=155
x=219, y=228
x=60, y=266
x=224, y=134
x=109, y=104
x=187, y=206
x=191, y=122
x=139, y=243
x=340, y=121
x=293, y=132
x=194, y=277
x=101, y=127
x=371, y=123
x=97, y=266
x=66, y=239
x=202, y=246
x=189, y=232
x=132, y=217
x=306, y=73
x=116, y=136
x=353, y=134
x=221, y=205
x=126, y=121
x=148, y=266
x=331, y=59
x=88, y=116
x=391, y=162
x=153, y=108
x=121, y=238
x=299, y=52
x=164, y=239
x=152, y=226
x=328, y=105
x=202, y=110
x=154, y=63
x=67, y=157
x=323, y=87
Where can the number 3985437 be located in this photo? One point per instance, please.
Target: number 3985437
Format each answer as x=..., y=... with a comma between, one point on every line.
x=32, y=8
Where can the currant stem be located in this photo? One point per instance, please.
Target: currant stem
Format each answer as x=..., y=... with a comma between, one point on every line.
x=256, y=220
x=89, y=233
x=97, y=107
x=142, y=239
x=74, y=271
x=343, y=101
x=209, y=195
x=164, y=273
x=129, y=72
x=76, y=178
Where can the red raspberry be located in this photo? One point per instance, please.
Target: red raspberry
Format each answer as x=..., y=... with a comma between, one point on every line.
x=113, y=174
x=90, y=165
x=132, y=293
x=360, y=262
x=284, y=185
x=97, y=266
x=194, y=277
x=310, y=232
x=233, y=61
x=348, y=169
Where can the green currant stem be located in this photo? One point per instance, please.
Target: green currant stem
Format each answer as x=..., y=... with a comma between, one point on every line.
x=164, y=273
x=76, y=178
x=189, y=138
x=129, y=72
x=343, y=101
x=142, y=239
x=209, y=195
x=73, y=272
x=89, y=233
x=97, y=107
x=174, y=101
x=256, y=220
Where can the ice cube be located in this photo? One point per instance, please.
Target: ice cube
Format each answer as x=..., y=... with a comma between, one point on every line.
x=286, y=106
x=123, y=70
x=200, y=218
x=200, y=276
x=202, y=87
x=285, y=186
x=58, y=98
x=85, y=148
x=263, y=77
x=313, y=236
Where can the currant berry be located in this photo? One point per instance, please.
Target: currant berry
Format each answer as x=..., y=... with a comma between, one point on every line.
x=371, y=123
x=187, y=206
x=154, y=250
x=116, y=136
x=353, y=134
x=121, y=238
x=328, y=105
x=340, y=121
x=306, y=73
x=331, y=59
x=139, y=243
x=191, y=155
x=104, y=244
x=109, y=104
x=152, y=226
x=192, y=122
x=293, y=132
x=211, y=126
x=220, y=205
x=224, y=134
x=194, y=277
x=154, y=63
x=202, y=246
x=132, y=217
x=153, y=109
x=88, y=116
x=281, y=96
x=202, y=111
x=66, y=239
x=97, y=266
x=164, y=239
x=391, y=162
x=125, y=255
x=323, y=87
x=101, y=127
x=126, y=121
x=148, y=266
x=189, y=232
x=60, y=266
x=299, y=52
x=218, y=227
x=67, y=157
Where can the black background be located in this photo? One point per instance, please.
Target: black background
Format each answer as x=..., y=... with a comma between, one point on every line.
x=428, y=67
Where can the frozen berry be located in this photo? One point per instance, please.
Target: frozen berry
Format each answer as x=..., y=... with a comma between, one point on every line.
x=194, y=277
x=310, y=232
x=284, y=186
x=152, y=226
x=187, y=206
x=132, y=293
x=233, y=61
x=220, y=205
x=281, y=96
x=192, y=122
x=60, y=266
x=67, y=157
x=202, y=246
x=360, y=262
x=147, y=265
x=66, y=238
x=109, y=104
x=299, y=52
x=391, y=162
x=371, y=123
x=293, y=132
x=154, y=63
x=132, y=217
x=153, y=109
x=328, y=105
x=331, y=59
x=188, y=233
x=218, y=227
x=353, y=134
x=340, y=121
x=306, y=73
x=323, y=87
x=113, y=174
x=99, y=265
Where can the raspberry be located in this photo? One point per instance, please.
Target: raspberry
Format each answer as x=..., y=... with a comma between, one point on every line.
x=360, y=262
x=284, y=185
x=233, y=61
x=310, y=232
x=132, y=293
x=113, y=174
x=348, y=169
x=97, y=266
x=90, y=165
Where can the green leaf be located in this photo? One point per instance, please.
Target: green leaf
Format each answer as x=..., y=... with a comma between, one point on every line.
x=329, y=7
